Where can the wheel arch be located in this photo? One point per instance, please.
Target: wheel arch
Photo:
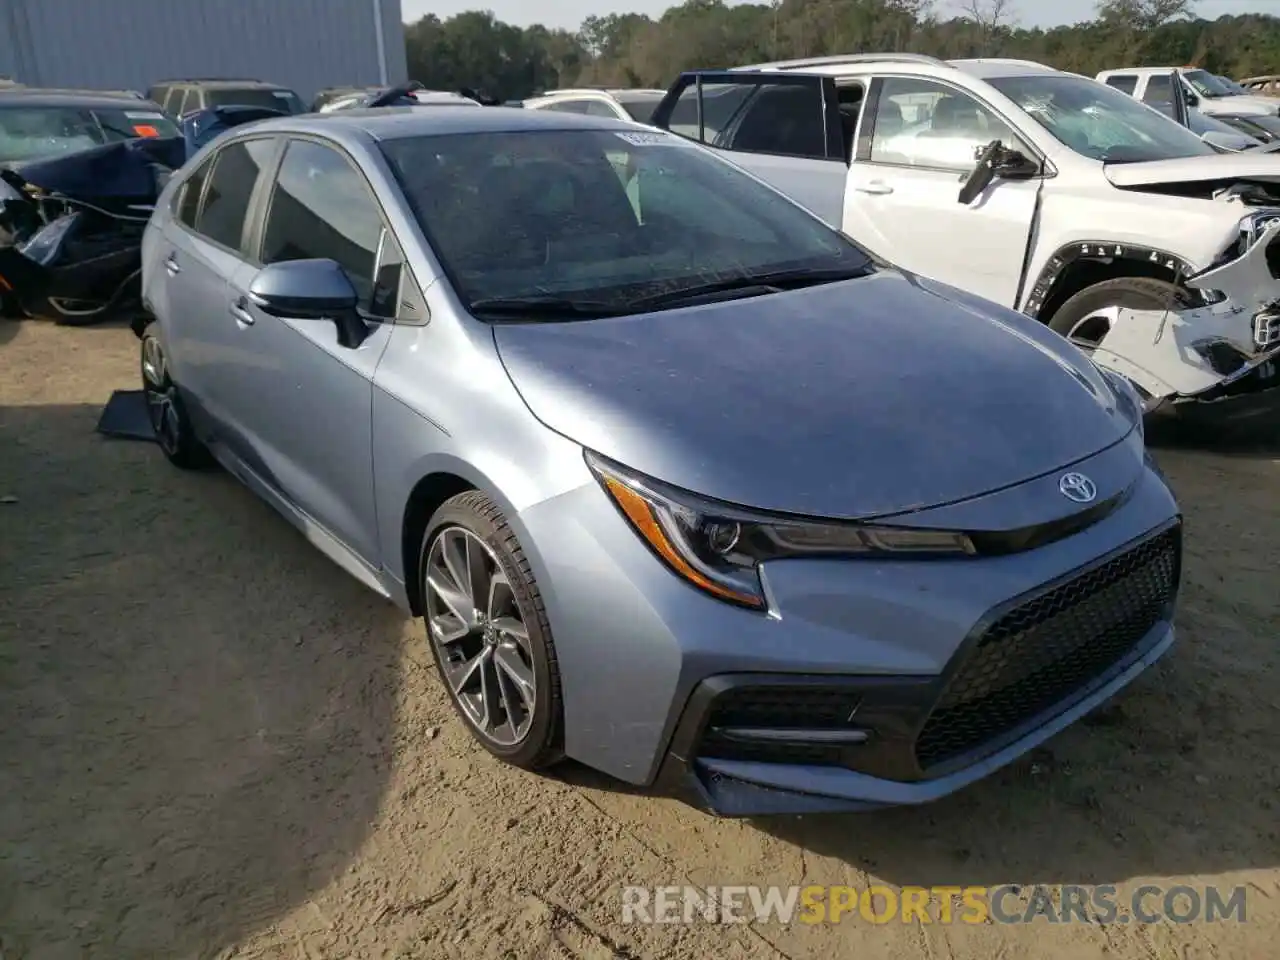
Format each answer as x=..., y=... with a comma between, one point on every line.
x=426, y=497
x=1079, y=265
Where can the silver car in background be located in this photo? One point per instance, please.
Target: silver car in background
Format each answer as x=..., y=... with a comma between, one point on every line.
x=686, y=485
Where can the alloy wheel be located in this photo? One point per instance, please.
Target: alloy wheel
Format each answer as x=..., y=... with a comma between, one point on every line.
x=161, y=396
x=475, y=623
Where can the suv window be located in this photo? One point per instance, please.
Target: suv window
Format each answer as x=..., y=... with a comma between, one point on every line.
x=786, y=119
x=234, y=174
x=567, y=106
x=922, y=123
x=598, y=108
x=321, y=207
x=1126, y=82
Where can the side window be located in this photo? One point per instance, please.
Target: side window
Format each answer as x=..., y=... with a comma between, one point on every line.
x=1124, y=82
x=226, y=199
x=922, y=123
x=786, y=119
x=1159, y=94
x=385, y=298
x=189, y=196
x=598, y=108
x=321, y=207
x=567, y=106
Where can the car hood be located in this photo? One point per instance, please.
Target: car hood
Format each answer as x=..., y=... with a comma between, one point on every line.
x=1220, y=166
x=849, y=400
x=1241, y=104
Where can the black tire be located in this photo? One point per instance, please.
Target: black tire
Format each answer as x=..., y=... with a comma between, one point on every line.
x=1133, y=293
x=169, y=419
x=472, y=512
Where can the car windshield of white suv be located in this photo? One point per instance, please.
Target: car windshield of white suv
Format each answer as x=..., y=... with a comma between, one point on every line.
x=1207, y=85
x=568, y=224
x=1100, y=122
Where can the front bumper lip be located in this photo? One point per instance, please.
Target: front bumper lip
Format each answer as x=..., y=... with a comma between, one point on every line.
x=1252, y=391
x=735, y=788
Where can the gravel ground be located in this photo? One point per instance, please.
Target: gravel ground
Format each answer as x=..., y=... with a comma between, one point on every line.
x=213, y=743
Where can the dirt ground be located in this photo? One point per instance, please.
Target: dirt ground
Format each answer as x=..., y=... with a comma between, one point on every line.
x=213, y=743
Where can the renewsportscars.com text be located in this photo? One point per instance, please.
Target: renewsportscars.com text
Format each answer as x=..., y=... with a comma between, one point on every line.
x=1006, y=904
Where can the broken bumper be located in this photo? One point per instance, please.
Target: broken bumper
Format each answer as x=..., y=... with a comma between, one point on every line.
x=1220, y=360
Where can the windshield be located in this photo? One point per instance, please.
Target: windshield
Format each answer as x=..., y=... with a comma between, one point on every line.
x=1232, y=87
x=640, y=106
x=601, y=216
x=1100, y=122
x=1206, y=84
x=284, y=100
x=31, y=133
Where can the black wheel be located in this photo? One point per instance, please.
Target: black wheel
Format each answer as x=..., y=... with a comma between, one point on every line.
x=1086, y=317
x=488, y=631
x=165, y=408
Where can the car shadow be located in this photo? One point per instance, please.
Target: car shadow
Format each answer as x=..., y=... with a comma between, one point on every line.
x=195, y=705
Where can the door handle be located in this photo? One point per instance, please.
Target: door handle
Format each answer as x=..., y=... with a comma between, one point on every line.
x=240, y=310
x=171, y=265
x=876, y=187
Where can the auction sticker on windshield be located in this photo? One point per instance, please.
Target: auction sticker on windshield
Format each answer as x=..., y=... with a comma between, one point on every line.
x=647, y=139
x=140, y=115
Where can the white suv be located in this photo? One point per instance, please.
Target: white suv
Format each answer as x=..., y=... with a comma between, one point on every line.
x=635, y=105
x=1041, y=190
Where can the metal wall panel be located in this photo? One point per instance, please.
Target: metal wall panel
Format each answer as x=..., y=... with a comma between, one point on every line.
x=131, y=44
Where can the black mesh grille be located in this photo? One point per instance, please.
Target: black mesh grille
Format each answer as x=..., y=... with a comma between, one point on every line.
x=1048, y=648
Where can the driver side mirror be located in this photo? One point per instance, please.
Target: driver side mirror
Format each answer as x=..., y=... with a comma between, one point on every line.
x=310, y=290
x=996, y=162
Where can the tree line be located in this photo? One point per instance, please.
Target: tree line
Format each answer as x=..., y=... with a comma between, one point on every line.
x=478, y=51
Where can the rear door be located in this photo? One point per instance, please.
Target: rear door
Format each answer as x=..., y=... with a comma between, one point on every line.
x=916, y=147
x=308, y=397
x=202, y=249
x=783, y=127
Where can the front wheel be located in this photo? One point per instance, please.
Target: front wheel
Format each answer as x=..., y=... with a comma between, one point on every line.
x=1088, y=316
x=488, y=632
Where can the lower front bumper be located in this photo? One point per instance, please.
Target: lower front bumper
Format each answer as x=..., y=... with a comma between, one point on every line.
x=746, y=788
x=1253, y=397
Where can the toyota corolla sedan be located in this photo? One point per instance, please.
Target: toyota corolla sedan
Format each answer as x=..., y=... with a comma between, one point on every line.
x=684, y=484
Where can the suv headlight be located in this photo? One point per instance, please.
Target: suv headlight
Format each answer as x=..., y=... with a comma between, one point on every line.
x=719, y=548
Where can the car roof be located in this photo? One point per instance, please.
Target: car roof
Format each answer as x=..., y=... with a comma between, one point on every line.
x=858, y=64
x=35, y=97
x=223, y=82
x=394, y=123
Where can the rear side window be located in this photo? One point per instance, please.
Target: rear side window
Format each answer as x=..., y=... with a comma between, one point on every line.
x=321, y=207
x=1159, y=94
x=226, y=202
x=567, y=106
x=597, y=108
x=786, y=119
x=189, y=196
x=1126, y=83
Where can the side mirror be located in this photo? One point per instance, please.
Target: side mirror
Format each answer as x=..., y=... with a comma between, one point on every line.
x=310, y=290
x=996, y=161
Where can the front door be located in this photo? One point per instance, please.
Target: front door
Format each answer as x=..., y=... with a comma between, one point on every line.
x=309, y=397
x=905, y=181
x=784, y=128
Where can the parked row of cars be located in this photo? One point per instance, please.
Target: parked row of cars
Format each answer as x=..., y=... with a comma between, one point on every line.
x=777, y=439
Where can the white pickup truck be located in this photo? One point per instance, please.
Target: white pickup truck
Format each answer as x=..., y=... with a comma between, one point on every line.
x=1043, y=191
x=1168, y=88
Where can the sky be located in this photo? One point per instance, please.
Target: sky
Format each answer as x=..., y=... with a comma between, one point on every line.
x=571, y=13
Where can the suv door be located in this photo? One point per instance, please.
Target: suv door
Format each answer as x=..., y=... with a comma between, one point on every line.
x=309, y=397
x=783, y=127
x=916, y=147
x=202, y=248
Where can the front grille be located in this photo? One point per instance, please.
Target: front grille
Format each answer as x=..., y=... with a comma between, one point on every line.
x=1050, y=647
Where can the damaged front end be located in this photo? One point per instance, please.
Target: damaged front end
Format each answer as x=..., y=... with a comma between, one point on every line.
x=1219, y=358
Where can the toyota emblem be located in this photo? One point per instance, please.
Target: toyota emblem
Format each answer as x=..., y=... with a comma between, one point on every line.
x=1077, y=488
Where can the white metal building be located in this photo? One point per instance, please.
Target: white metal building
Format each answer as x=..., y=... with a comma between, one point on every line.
x=130, y=44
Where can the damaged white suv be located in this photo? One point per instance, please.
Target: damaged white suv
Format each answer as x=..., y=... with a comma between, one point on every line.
x=1041, y=190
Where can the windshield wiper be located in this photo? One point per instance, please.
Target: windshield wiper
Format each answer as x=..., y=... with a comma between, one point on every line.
x=766, y=282
x=547, y=307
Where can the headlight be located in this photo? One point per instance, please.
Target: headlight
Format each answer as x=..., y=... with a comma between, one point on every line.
x=719, y=548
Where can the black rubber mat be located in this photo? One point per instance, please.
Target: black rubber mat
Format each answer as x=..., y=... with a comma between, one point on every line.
x=125, y=416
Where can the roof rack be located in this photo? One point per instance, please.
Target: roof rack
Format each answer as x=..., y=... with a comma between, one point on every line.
x=1006, y=61
x=547, y=93
x=850, y=58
